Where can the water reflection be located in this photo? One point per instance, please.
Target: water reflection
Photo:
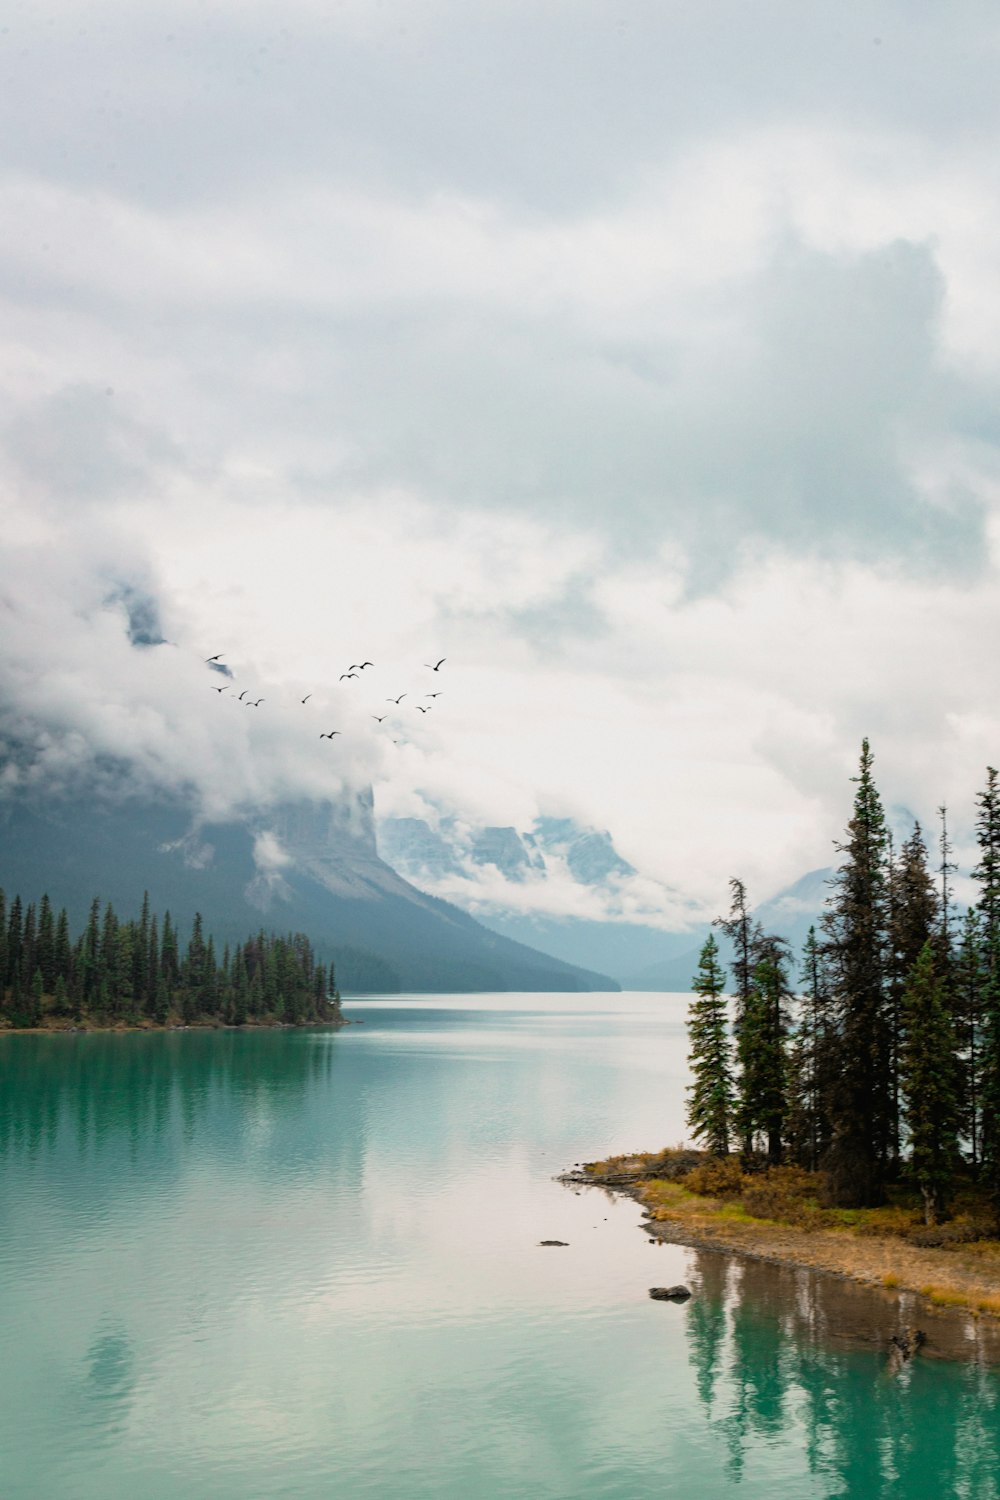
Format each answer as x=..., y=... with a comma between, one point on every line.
x=132, y=1085
x=302, y=1263
x=771, y=1347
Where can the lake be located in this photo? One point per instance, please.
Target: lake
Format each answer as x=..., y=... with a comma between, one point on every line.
x=306, y=1264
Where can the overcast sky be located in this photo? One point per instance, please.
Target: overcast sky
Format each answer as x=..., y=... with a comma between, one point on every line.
x=641, y=358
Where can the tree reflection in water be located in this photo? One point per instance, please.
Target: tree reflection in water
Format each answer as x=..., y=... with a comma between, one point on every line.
x=772, y=1347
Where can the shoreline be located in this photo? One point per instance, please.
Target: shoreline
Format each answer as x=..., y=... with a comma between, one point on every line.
x=887, y=1286
x=121, y=1028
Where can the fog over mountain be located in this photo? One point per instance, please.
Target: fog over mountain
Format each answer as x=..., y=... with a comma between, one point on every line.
x=640, y=361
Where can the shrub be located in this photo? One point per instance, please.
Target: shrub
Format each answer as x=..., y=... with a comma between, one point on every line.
x=718, y=1177
x=961, y=1231
x=784, y=1193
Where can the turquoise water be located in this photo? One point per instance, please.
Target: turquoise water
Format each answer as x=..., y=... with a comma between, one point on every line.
x=305, y=1264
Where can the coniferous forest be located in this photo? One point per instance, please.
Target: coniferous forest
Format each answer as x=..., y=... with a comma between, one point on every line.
x=873, y=1058
x=137, y=973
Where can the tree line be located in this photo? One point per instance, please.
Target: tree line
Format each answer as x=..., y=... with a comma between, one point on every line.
x=882, y=1063
x=137, y=971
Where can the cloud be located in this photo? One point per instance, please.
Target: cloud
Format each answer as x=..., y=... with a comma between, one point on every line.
x=649, y=378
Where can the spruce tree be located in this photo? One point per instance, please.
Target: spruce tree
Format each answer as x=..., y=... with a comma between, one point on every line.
x=90, y=947
x=987, y=873
x=855, y=923
x=33, y=1014
x=929, y=1085
x=15, y=923
x=812, y=1061
x=764, y=1092
x=969, y=1011
x=3, y=946
x=744, y=934
x=711, y=1096
x=63, y=947
x=60, y=997
x=914, y=918
x=46, y=953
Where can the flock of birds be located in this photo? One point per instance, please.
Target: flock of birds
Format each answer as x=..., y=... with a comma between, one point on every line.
x=353, y=672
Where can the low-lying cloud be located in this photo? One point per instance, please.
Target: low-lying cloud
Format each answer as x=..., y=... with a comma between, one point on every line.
x=649, y=380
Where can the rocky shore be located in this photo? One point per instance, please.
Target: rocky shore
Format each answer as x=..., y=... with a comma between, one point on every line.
x=944, y=1301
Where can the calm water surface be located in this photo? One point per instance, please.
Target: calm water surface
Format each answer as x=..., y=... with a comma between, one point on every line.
x=305, y=1264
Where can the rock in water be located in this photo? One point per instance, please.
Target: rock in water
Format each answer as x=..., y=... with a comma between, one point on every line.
x=903, y=1346
x=553, y=1242
x=669, y=1293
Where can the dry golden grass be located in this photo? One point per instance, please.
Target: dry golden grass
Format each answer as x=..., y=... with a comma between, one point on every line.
x=780, y=1213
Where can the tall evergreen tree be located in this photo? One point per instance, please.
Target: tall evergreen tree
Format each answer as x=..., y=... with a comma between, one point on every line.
x=90, y=947
x=987, y=874
x=711, y=1095
x=813, y=1063
x=914, y=919
x=62, y=946
x=3, y=946
x=15, y=927
x=929, y=1085
x=744, y=934
x=969, y=1011
x=764, y=1093
x=46, y=951
x=855, y=924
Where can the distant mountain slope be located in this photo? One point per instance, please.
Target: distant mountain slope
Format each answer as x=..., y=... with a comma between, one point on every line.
x=564, y=888
x=790, y=914
x=310, y=867
x=558, y=886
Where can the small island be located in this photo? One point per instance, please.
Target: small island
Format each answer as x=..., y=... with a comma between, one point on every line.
x=122, y=975
x=849, y=1121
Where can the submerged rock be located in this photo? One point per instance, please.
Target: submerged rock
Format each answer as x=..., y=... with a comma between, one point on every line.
x=669, y=1293
x=903, y=1345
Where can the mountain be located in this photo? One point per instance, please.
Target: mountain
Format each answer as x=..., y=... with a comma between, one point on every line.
x=790, y=914
x=611, y=918
x=311, y=867
x=559, y=886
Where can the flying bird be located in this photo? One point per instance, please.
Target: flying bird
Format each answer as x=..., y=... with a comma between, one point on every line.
x=330, y=735
x=432, y=695
x=243, y=695
x=422, y=710
x=347, y=674
x=252, y=704
x=396, y=700
x=214, y=658
x=366, y=664
x=379, y=720
x=439, y=665
x=220, y=690
x=306, y=698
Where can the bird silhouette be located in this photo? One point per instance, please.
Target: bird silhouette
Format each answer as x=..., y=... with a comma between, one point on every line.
x=330, y=735
x=347, y=674
x=379, y=720
x=439, y=665
x=306, y=698
x=422, y=710
x=219, y=690
x=214, y=658
x=396, y=700
x=365, y=664
x=432, y=695
x=252, y=704
x=243, y=695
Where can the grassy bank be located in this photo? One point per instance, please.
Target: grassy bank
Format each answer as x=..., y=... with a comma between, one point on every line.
x=780, y=1215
